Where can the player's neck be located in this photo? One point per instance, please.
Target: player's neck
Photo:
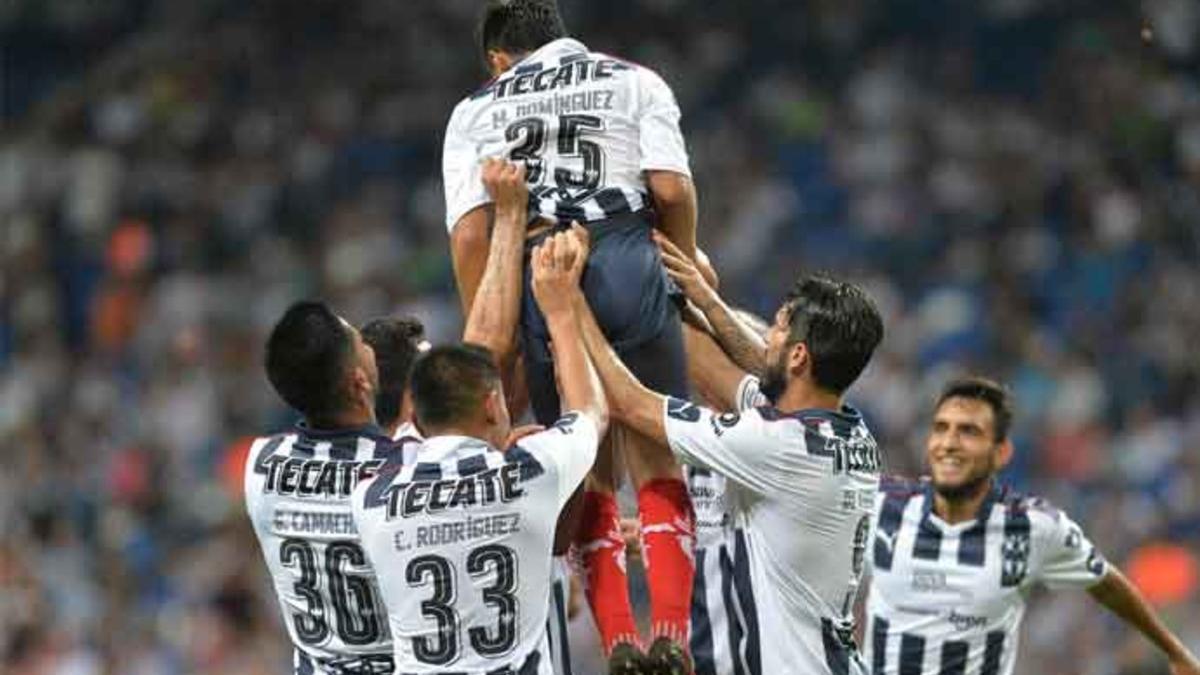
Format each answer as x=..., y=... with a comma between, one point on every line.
x=801, y=396
x=961, y=509
x=353, y=418
x=482, y=432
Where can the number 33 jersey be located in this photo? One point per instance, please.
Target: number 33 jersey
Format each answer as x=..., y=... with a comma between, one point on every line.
x=585, y=124
x=298, y=487
x=462, y=539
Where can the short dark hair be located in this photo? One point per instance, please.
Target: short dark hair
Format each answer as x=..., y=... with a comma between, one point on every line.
x=308, y=353
x=519, y=26
x=989, y=391
x=450, y=382
x=396, y=342
x=839, y=323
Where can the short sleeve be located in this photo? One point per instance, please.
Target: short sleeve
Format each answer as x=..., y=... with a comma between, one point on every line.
x=740, y=446
x=1069, y=560
x=749, y=394
x=568, y=448
x=661, y=143
x=462, y=172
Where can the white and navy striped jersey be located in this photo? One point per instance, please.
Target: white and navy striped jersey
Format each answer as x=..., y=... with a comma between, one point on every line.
x=409, y=438
x=718, y=636
x=948, y=598
x=466, y=534
x=298, y=487
x=799, y=487
x=587, y=125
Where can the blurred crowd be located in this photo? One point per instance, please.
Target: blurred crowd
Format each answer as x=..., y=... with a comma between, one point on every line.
x=1017, y=182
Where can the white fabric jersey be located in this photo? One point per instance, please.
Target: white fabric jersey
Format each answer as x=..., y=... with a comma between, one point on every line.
x=949, y=599
x=298, y=487
x=800, y=487
x=587, y=125
x=467, y=533
x=718, y=637
x=410, y=439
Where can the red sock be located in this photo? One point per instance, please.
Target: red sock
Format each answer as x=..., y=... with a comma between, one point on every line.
x=668, y=537
x=602, y=553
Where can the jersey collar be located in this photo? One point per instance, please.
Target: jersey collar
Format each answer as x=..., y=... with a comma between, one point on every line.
x=981, y=516
x=553, y=49
x=438, y=448
x=372, y=431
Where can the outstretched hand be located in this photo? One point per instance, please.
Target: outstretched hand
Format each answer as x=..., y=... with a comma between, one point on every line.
x=558, y=264
x=686, y=273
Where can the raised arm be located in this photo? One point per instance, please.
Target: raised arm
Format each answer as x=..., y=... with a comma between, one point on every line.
x=496, y=304
x=1120, y=596
x=469, y=245
x=557, y=266
x=740, y=341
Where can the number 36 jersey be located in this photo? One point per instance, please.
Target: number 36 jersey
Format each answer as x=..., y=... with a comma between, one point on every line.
x=298, y=487
x=585, y=124
x=463, y=540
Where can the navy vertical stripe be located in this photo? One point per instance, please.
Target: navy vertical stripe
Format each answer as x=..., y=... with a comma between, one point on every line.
x=745, y=595
x=469, y=466
x=992, y=653
x=344, y=448
x=701, y=642
x=260, y=462
x=303, y=447
x=733, y=625
x=972, y=544
x=912, y=654
x=425, y=471
x=890, y=516
x=837, y=656
x=560, y=617
x=879, y=638
x=954, y=657
x=1015, y=549
x=928, y=545
x=304, y=665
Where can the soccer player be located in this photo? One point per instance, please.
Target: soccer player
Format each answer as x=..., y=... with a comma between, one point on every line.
x=955, y=556
x=396, y=341
x=298, y=486
x=468, y=528
x=801, y=473
x=602, y=142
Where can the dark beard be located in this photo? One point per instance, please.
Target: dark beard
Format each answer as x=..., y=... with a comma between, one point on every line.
x=773, y=382
x=967, y=490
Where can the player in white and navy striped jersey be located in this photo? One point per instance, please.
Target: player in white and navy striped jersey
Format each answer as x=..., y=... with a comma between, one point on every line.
x=298, y=486
x=955, y=557
x=469, y=526
x=601, y=139
x=801, y=475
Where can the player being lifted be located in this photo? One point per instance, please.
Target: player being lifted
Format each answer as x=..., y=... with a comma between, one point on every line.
x=955, y=557
x=801, y=474
x=602, y=142
x=469, y=526
x=298, y=484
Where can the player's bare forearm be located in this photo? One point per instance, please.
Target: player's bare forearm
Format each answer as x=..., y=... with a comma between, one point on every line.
x=578, y=380
x=1120, y=596
x=714, y=375
x=630, y=401
x=675, y=204
x=492, y=320
x=469, y=244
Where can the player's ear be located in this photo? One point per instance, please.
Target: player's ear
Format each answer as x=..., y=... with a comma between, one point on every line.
x=1004, y=453
x=498, y=61
x=799, y=359
x=491, y=407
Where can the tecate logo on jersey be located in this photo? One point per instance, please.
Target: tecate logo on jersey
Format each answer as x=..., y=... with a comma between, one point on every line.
x=484, y=488
x=316, y=477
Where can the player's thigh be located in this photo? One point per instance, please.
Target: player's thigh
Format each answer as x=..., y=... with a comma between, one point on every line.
x=661, y=365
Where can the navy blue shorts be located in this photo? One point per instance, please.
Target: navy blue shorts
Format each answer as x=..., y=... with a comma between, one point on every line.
x=634, y=302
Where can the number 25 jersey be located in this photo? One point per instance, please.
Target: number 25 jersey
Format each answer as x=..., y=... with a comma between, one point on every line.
x=585, y=124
